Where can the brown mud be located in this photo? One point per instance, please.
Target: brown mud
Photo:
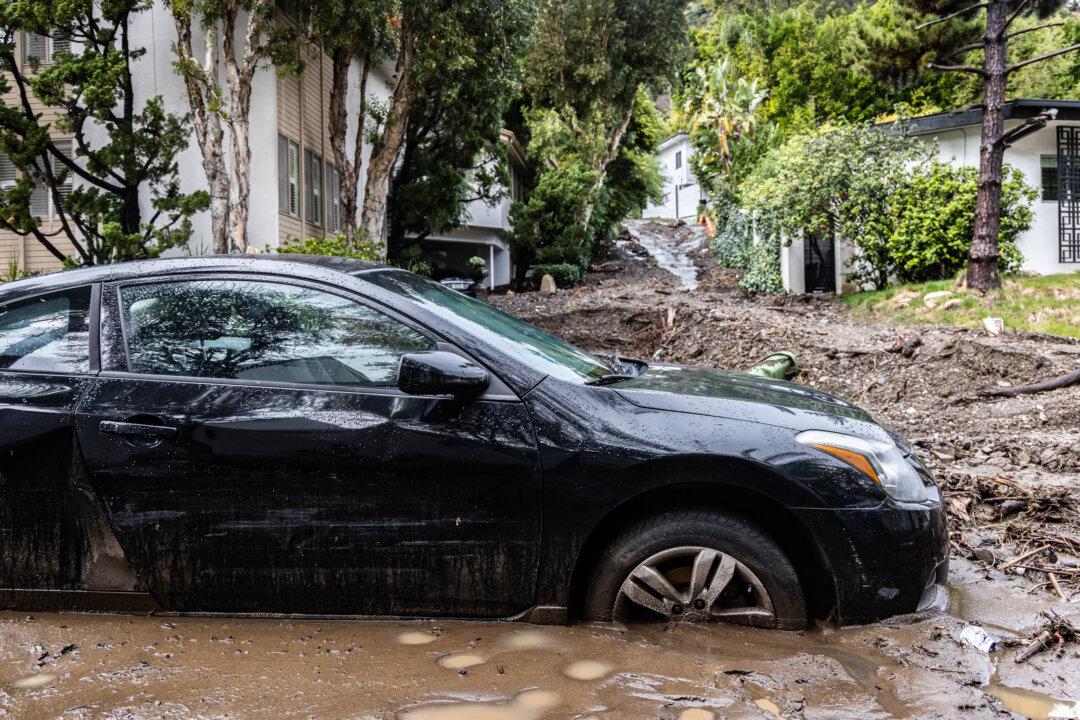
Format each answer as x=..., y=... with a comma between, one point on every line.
x=92, y=666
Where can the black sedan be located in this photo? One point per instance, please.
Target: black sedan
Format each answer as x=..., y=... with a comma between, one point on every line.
x=301, y=435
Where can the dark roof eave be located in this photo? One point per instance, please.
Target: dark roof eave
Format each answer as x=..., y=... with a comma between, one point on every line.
x=967, y=117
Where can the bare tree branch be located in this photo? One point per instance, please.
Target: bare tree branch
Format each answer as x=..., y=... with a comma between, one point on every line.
x=1047, y=56
x=957, y=68
x=1010, y=36
x=950, y=16
x=967, y=48
x=1015, y=14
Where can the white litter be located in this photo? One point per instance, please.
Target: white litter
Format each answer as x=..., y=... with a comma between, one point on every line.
x=977, y=637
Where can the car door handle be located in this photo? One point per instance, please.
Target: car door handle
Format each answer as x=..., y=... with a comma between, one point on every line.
x=138, y=430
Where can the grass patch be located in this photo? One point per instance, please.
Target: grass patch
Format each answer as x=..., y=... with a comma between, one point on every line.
x=1048, y=304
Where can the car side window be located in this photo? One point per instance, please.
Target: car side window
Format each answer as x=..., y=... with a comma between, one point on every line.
x=48, y=333
x=262, y=331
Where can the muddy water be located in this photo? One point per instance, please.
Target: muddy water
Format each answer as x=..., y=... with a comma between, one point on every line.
x=82, y=667
x=673, y=258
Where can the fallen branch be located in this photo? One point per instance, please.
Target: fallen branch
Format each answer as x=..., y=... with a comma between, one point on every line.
x=1021, y=558
x=1045, y=386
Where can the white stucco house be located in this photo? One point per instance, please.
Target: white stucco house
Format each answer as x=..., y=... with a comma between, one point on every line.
x=294, y=184
x=1043, y=139
x=682, y=192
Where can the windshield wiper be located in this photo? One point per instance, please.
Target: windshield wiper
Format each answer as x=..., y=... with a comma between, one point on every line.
x=611, y=379
x=615, y=363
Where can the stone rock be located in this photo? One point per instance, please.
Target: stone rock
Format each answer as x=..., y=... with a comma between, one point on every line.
x=951, y=304
x=902, y=299
x=932, y=300
x=548, y=286
x=985, y=555
x=993, y=325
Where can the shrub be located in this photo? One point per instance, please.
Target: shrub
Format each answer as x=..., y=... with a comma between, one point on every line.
x=763, y=265
x=935, y=222
x=564, y=274
x=358, y=247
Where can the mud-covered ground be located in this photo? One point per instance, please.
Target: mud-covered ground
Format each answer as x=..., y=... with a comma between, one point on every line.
x=1010, y=468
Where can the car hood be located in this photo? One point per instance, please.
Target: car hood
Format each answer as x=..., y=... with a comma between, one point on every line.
x=719, y=393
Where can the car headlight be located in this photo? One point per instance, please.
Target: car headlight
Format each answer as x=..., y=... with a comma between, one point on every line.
x=882, y=462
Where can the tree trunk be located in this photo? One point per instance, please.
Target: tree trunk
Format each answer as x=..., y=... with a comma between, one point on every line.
x=349, y=168
x=982, y=272
x=611, y=152
x=200, y=83
x=388, y=146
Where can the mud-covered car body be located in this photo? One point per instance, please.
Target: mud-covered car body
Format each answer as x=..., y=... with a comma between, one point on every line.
x=123, y=489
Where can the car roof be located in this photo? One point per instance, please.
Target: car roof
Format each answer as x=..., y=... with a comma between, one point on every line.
x=275, y=263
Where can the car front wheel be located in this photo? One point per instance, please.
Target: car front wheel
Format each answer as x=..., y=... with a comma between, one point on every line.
x=696, y=566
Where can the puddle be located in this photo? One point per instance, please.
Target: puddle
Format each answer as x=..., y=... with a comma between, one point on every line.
x=529, y=705
x=460, y=661
x=697, y=714
x=1036, y=706
x=675, y=259
x=416, y=637
x=34, y=682
x=588, y=670
x=528, y=640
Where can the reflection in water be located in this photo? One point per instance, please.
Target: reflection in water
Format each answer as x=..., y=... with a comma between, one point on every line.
x=529, y=705
x=528, y=640
x=768, y=706
x=460, y=661
x=34, y=682
x=697, y=714
x=417, y=637
x=1036, y=706
x=588, y=670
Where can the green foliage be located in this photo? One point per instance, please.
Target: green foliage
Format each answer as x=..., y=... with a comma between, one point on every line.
x=564, y=274
x=548, y=225
x=412, y=259
x=358, y=247
x=935, y=219
x=763, y=265
x=466, y=77
x=734, y=234
x=633, y=178
x=123, y=156
x=591, y=127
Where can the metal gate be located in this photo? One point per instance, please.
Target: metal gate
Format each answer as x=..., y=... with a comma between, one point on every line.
x=820, y=264
x=1068, y=148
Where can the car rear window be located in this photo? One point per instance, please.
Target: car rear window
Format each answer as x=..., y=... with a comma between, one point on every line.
x=48, y=333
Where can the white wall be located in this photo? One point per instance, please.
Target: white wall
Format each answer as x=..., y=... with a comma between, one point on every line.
x=1040, y=243
x=688, y=197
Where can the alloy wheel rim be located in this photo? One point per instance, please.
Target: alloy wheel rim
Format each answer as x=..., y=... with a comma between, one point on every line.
x=695, y=584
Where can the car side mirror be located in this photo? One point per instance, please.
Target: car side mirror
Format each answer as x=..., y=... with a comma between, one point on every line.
x=441, y=373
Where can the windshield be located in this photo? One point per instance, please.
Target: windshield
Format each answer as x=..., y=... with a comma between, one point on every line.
x=535, y=348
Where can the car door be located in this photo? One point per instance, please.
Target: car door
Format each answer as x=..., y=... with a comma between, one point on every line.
x=255, y=455
x=44, y=366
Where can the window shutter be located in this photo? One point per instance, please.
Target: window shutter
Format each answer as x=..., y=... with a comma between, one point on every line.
x=7, y=172
x=308, y=200
x=282, y=174
x=334, y=188
x=294, y=180
x=317, y=189
x=35, y=49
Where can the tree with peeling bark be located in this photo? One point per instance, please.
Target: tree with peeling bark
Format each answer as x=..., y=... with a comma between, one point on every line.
x=239, y=38
x=356, y=34
x=82, y=176
x=997, y=29
x=589, y=59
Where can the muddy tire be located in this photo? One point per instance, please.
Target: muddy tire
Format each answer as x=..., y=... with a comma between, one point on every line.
x=695, y=566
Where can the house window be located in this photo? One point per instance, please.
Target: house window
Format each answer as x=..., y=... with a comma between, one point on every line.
x=678, y=160
x=313, y=188
x=1049, y=178
x=333, y=195
x=41, y=49
x=288, y=176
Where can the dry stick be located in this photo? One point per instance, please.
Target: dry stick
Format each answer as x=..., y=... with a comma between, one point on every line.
x=1045, y=386
x=1057, y=587
x=1025, y=556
